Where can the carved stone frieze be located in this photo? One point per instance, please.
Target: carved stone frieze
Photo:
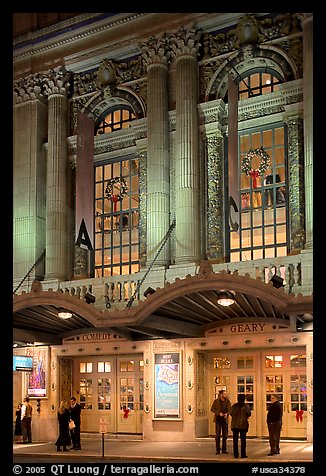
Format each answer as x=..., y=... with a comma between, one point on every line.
x=142, y=162
x=214, y=224
x=296, y=191
x=250, y=30
x=201, y=386
x=80, y=261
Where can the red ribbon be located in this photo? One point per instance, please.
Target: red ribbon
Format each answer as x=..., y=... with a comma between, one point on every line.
x=114, y=200
x=254, y=174
x=298, y=415
x=126, y=412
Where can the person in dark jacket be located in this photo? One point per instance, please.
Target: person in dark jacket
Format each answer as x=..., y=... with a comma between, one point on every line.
x=75, y=411
x=18, y=423
x=26, y=420
x=240, y=412
x=221, y=408
x=63, y=419
x=274, y=424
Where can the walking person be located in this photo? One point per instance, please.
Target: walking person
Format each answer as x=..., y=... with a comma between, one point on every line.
x=240, y=412
x=26, y=420
x=274, y=424
x=63, y=416
x=221, y=408
x=75, y=415
x=18, y=424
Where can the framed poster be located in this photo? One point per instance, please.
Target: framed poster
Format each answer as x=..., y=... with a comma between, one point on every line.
x=167, y=385
x=37, y=381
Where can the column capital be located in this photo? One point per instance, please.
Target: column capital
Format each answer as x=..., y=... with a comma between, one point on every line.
x=56, y=81
x=41, y=85
x=156, y=51
x=185, y=42
x=28, y=88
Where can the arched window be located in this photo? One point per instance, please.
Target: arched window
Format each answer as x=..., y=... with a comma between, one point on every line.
x=115, y=119
x=262, y=180
x=257, y=84
x=116, y=205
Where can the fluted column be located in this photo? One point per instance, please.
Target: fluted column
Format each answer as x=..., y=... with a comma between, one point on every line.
x=29, y=168
x=57, y=176
x=307, y=25
x=158, y=166
x=187, y=206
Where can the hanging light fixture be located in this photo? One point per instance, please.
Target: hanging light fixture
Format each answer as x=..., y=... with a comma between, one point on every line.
x=225, y=298
x=64, y=313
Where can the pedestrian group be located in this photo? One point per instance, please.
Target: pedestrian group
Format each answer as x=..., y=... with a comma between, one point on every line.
x=240, y=413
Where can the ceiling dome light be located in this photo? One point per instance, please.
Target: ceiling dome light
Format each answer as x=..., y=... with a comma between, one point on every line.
x=64, y=313
x=226, y=298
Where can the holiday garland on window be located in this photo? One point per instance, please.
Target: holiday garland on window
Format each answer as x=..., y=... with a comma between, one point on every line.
x=120, y=184
x=246, y=166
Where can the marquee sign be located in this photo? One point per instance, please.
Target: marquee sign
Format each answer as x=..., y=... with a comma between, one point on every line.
x=248, y=328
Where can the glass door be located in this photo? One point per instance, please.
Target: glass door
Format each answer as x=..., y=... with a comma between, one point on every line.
x=130, y=393
x=288, y=379
x=110, y=390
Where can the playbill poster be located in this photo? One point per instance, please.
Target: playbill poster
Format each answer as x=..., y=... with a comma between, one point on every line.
x=167, y=385
x=37, y=379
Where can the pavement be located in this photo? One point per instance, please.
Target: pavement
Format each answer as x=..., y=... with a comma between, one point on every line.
x=127, y=448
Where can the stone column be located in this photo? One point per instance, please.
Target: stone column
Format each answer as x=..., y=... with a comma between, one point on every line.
x=158, y=167
x=56, y=87
x=307, y=25
x=187, y=197
x=29, y=169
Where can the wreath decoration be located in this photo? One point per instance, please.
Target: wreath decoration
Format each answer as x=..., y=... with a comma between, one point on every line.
x=121, y=185
x=264, y=164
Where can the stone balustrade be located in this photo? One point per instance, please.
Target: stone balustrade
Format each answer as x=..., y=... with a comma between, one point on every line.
x=116, y=292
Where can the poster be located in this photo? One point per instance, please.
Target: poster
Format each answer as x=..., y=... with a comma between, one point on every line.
x=167, y=385
x=37, y=379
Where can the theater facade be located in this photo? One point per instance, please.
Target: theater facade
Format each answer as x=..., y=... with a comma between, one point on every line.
x=162, y=164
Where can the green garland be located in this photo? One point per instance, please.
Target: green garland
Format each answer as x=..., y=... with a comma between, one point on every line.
x=123, y=187
x=264, y=163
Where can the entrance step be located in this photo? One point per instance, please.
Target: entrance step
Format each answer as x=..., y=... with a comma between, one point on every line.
x=114, y=436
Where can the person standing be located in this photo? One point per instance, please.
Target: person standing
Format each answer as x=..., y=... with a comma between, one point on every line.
x=221, y=408
x=274, y=424
x=18, y=423
x=26, y=420
x=63, y=416
x=240, y=412
x=75, y=415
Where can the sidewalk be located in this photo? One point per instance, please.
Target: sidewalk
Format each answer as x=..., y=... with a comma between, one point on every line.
x=202, y=450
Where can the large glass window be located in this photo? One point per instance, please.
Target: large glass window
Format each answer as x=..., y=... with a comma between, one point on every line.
x=117, y=217
x=116, y=205
x=262, y=183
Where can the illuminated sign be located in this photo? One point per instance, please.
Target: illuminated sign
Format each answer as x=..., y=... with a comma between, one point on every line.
x=23, y=363
x=167, y=383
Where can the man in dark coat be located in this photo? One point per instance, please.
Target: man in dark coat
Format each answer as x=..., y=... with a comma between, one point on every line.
x=221, y=408
x=274, y=424
x=75, y=411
